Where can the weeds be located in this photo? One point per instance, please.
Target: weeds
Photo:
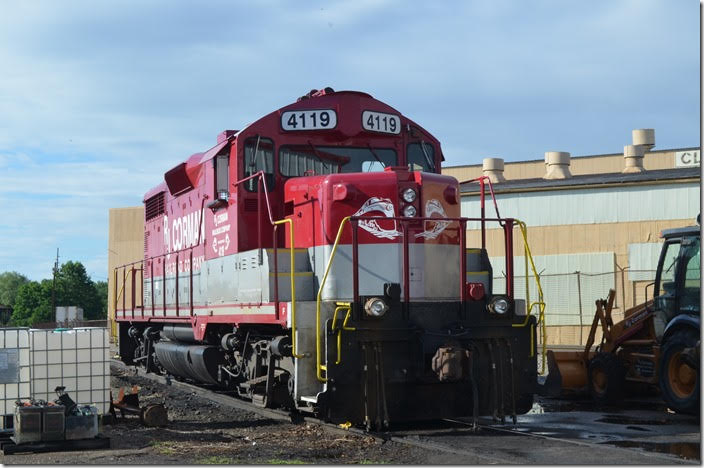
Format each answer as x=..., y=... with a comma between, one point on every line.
x=215, y=460
x=164, y=447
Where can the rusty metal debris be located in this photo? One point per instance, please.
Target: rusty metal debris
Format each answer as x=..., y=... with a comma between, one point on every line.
x=449, y=363
x=152, y=414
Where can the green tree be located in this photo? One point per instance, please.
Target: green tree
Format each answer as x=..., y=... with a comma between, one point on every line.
x=75, y=288
x=102, y=288
x=33, y=304
x=10, y=283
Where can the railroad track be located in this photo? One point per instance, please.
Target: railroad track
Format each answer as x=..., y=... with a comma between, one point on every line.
x=417, y=436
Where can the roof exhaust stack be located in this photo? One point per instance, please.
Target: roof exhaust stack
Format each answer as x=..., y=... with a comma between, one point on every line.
x=633, y=154
x=493, y=168
x=643, y=140
x=558, y=165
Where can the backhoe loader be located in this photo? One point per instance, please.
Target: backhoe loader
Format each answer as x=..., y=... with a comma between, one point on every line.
x=657, y=343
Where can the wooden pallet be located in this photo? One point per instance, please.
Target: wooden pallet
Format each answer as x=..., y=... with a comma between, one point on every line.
x=100, y=442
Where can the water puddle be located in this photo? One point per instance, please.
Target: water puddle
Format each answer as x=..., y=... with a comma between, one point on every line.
x=686, y=450
x=623, y=420
x=566, y=403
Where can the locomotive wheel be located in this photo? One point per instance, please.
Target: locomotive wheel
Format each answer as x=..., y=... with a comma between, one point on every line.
x=606, y=378
x=679, y=383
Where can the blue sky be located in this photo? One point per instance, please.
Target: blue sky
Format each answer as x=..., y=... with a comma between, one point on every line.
x=99, y=99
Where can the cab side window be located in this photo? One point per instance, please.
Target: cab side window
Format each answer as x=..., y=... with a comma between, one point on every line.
x=258, y=156
x=222, y=166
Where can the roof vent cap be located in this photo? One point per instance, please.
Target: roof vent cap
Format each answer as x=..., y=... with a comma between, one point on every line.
x=633, y=154
x=558, y=165
x=644, y=136
x=494, y=169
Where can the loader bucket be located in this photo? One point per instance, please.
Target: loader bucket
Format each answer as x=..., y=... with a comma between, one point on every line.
x=550, y=387
x=569, y=373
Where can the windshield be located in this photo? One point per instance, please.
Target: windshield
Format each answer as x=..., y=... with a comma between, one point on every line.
x=421, y=157
x=669, y=266
x=295, y=161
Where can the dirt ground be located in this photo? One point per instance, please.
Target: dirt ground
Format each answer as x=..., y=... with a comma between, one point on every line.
x=201, y=432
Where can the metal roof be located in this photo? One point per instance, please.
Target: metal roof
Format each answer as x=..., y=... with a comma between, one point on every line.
x=583, y=156
x=590, y=179
x=683, y=231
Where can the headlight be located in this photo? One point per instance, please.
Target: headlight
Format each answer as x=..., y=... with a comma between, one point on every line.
x=409, y=211
x=375, y=306
x=409, y=195
x=499, y=305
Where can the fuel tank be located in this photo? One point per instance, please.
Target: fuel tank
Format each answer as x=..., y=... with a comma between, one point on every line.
x=196, y=362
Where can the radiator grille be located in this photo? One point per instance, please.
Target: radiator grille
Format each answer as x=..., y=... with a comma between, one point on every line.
x=250, y=204
x=154, y=206
x=146, y=243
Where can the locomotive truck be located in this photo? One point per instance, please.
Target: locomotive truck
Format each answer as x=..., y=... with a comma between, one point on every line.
x=317, y=261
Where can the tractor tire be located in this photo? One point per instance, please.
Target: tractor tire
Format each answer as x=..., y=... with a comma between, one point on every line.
x=607, y=378
x=679, y=383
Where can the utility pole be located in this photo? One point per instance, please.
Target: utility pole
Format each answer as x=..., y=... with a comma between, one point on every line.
x=53, y=287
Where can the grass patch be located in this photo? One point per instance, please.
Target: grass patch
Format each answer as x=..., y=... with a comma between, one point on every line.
x=279, y=461
x=372, y=462
x=164, y=447
x=216, y=460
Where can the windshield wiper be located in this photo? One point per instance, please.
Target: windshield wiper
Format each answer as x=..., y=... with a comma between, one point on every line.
x=253, y=164
x=375, y=157
x=339, y=161
x=317, y=155
x=431, y=165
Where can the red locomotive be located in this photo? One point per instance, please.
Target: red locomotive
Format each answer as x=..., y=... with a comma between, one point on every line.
x=316, y=261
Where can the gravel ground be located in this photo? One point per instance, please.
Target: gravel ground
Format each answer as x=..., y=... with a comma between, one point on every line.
x=201, y=432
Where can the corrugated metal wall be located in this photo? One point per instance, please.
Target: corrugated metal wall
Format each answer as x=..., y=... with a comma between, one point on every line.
x=569, y=296
x=643, y=260
x=594, y=205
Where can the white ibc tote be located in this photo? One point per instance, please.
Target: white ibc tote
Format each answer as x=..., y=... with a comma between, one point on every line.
x=14, y=369
x=76, y=358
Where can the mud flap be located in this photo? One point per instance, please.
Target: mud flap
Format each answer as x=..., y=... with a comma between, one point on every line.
x=550, y=385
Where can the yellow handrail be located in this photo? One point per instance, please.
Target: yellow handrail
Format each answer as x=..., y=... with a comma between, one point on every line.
x=289, y=221
x=318, y=364
x=341, y=306
x=528, y=257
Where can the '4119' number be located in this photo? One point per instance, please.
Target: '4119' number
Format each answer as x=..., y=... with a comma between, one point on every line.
x=381, y=122
x=323, y=119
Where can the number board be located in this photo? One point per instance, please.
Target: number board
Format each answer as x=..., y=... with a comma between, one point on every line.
x=381, y=122
x=319, y=119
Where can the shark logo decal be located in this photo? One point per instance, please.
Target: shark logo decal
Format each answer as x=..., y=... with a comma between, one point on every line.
x=434, y=207
x=373, y=206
